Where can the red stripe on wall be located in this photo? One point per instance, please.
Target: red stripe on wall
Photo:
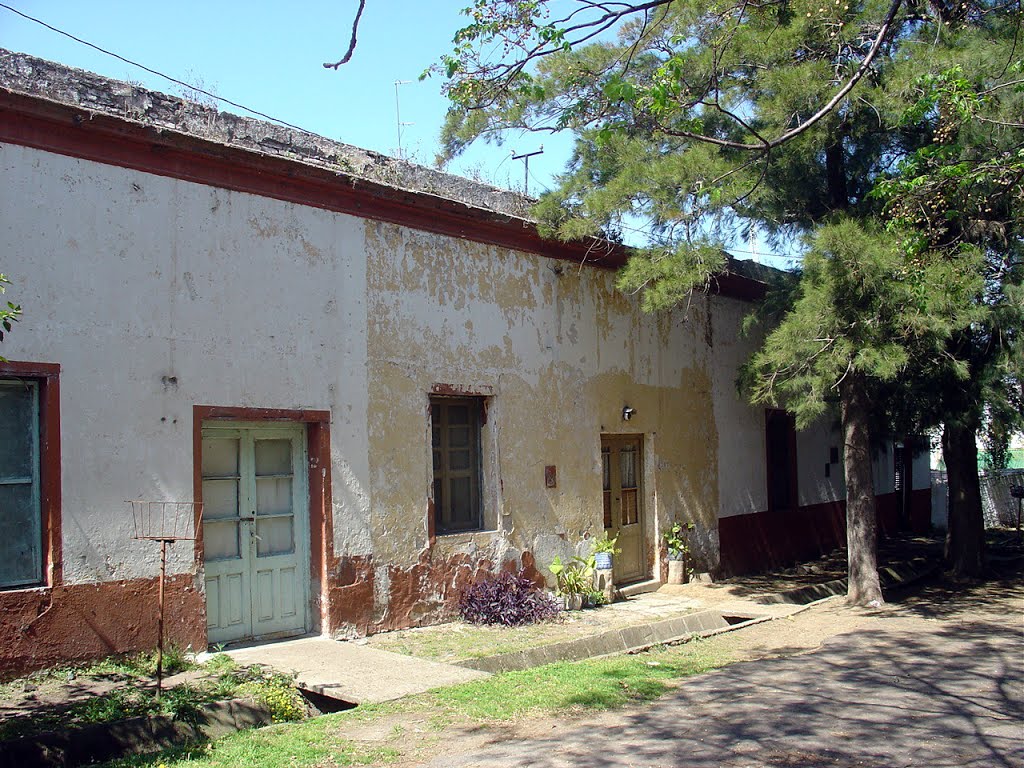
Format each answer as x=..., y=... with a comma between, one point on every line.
x=762, y=541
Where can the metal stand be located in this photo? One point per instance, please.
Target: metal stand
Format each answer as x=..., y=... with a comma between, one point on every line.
x=165, y=522
x=1017, y=492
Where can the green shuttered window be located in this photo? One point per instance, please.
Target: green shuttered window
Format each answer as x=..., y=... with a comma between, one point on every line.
x=21, y=543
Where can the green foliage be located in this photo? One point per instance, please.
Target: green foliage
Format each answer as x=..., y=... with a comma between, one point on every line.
x=575, y=577
x=863, y=306
x=606, y=544
x=964, y=191
x=277, y=692
x=677, y=541
x=10, y=313
x=135, y=695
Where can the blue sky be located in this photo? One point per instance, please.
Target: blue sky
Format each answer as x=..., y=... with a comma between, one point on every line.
x=269, y=56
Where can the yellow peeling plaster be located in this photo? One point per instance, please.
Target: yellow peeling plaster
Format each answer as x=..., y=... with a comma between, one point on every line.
x=564, y=353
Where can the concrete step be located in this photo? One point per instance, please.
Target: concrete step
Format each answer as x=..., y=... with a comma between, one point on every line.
x=640, y=587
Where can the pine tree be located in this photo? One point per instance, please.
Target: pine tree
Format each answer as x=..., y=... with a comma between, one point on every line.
x=704, y=120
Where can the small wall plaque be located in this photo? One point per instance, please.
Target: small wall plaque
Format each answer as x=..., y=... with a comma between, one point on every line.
x=550, y=479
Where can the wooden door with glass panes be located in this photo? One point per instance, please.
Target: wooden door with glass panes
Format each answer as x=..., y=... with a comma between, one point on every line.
x=621, y=469
x=255, y=523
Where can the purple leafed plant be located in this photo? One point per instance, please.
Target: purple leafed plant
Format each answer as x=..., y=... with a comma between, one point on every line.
x=506, y=598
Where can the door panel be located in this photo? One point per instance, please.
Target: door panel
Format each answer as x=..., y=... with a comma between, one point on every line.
x=254, y=531
x=621, y=467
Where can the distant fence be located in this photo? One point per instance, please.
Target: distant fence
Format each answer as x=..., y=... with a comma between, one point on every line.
x=997, y=505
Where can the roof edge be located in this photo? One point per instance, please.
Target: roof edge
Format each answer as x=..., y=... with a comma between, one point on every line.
x=72, y=112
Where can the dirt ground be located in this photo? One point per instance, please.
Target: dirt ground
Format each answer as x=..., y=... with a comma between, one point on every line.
x=417, y=739
x=919, y=608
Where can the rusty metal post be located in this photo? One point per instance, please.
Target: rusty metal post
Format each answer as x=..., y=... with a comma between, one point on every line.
x=166, y=522
x=160, y=620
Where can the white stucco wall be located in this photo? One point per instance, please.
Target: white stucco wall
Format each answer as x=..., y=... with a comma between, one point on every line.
x=813, y=451
x=742, y=480
x=130, y=280
x=156, y=294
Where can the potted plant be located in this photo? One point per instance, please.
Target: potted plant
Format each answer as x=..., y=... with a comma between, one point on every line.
x=574, y=580
x=604, y=549
x=677, y=544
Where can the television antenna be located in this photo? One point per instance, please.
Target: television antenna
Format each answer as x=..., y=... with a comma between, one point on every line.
x=398, y=116
x=525, y=157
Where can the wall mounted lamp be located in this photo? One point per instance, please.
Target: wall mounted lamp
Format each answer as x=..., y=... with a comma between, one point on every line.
x=627, y=412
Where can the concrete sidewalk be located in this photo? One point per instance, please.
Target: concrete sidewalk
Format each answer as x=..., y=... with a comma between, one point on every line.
x=352, y=672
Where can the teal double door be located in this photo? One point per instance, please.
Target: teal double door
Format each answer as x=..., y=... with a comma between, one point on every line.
x=255, y=531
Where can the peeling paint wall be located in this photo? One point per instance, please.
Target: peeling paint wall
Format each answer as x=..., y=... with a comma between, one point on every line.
x=156, y=295
x=562, y=352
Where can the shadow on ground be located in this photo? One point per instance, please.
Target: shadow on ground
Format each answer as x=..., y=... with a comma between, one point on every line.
x=937, y=681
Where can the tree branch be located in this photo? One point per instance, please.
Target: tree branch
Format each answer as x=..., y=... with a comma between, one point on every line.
x=351, y=42
x=862, y=70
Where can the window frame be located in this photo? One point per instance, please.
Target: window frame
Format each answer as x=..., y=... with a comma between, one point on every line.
x=46, y=378
x=477, y=408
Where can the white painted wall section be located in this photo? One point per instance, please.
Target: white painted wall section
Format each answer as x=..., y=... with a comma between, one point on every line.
x=156, y=294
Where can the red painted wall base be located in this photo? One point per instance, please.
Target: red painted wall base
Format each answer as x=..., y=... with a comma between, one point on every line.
x=765, y=540
x=78, y=622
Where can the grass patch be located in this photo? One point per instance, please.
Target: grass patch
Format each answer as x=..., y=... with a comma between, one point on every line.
x=597, y=684
x=562, y=689
x=459, y=641
x=225, y=680
x=309, y=743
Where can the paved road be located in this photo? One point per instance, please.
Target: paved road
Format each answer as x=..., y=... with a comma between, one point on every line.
x=926, y=692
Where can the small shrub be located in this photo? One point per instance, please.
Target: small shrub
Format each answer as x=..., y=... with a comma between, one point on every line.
x=677, y=541
x=277, y=691
x=606, y=544
x=220, y=664
x=575, y=577
x=506, y=598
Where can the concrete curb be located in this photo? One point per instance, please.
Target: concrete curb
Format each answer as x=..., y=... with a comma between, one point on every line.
x=890, y=576
x=137, y=735
x=713, y=621
x=624, y=640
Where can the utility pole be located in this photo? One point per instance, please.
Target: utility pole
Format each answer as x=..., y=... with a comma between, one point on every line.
x=398, y=116
x=526, y=166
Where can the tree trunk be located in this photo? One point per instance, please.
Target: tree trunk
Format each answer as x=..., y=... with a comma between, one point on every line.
x=965, y=536
x=861, y=519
